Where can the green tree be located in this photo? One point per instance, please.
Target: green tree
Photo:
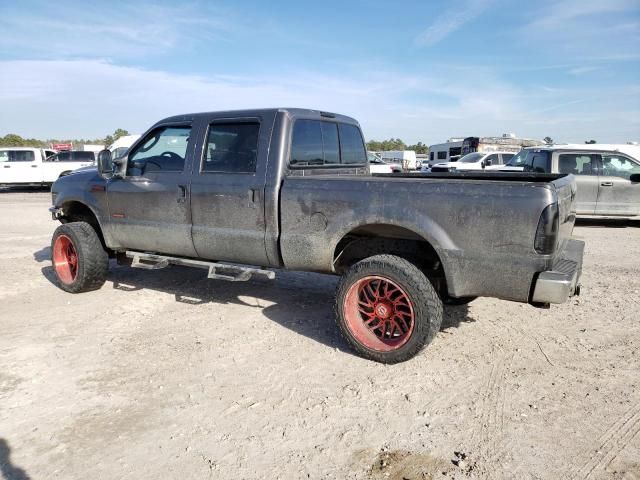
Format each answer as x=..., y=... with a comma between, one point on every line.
x=548, y=140
x=419, y=148
x=119, y=132
x=590, y=142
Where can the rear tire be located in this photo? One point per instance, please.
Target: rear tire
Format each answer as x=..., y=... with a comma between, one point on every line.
x=387, y=309
x=79, y=260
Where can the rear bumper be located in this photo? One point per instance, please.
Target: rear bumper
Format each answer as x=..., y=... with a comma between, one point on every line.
x=562, y=281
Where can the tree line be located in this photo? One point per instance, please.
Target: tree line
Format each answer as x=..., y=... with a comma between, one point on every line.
x=395, y=144
x=14, y=140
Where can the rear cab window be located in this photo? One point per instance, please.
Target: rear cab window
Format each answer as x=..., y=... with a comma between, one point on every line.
x=318, y=143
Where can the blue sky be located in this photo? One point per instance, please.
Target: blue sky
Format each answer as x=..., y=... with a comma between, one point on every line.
x=418, y=70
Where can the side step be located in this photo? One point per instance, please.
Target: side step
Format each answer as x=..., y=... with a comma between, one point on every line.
x=217, y=271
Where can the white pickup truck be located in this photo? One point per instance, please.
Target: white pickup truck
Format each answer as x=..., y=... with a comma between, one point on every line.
x=38, y=166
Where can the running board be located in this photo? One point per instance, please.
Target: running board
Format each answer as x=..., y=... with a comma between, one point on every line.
x=217, y=271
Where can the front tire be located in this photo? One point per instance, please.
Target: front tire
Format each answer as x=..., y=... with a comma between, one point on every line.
x=387, y=309
x=79, y=260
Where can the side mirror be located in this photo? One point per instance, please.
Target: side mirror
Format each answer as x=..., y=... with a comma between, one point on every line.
x=105, y=164
x=488, y=163
x=635, y=178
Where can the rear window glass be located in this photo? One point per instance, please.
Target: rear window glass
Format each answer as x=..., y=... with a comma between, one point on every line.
x=316, y=142
x=232, y=147
x=536, y=161
x=351, y=144
x=17, y=156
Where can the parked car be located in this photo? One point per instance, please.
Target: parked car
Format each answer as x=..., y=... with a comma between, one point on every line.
x=121, y=145
x=37, y=166
x=73, y=156
x=239, y=192
x=406, y=158
x=377, y=165
x=607, y=176
x=473, y=161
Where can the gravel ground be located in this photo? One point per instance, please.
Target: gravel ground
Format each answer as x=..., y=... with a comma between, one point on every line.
x=164, y=374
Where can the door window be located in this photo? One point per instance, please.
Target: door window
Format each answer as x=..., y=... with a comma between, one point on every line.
x=576, y=163
x=17, y=156
x=506, y=157
x=232, y=148
x=618, y=166
x=442, y=155
x=163, y=150
x=492, y=159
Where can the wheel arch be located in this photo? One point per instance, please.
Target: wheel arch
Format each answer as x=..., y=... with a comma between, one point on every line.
x=78, y=211
x=382, y=238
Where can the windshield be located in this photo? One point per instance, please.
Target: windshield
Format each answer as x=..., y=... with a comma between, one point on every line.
x=519, y=159
x=472, y=157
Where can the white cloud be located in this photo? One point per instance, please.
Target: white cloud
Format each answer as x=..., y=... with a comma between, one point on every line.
x=90, y=98
x=451, y=20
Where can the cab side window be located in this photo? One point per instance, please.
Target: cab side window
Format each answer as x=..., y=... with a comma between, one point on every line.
x=618, y=166
x=506, y=157
x=232, y=147
x=576, y=163
x=492, y=159
x=163, y=150
x=17, y=156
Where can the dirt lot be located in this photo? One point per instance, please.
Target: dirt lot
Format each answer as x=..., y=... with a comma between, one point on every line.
x=168, y=375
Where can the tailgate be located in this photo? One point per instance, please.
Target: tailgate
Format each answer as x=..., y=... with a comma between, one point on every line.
x=565, y=193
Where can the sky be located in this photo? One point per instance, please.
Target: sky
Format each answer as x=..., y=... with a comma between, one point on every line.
x=417, y=70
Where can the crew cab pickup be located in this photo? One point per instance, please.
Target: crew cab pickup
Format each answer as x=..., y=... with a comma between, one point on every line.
x=37, y=166
x=244, y=193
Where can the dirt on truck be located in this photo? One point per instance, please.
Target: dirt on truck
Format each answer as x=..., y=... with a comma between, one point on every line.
x=245, y=193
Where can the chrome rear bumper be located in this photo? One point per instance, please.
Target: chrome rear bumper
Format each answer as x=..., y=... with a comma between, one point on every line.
x=562, y=281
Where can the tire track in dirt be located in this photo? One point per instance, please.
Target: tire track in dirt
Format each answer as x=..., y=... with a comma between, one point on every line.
x=489, y=435
x=611, y=443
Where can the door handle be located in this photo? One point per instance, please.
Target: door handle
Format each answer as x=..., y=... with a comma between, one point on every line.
x=606, y=184
x=34, y=166
x=7, y=166
x=182, y=196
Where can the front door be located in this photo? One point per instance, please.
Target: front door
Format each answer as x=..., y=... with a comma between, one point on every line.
x=149, y=207
x=584, y=167
x=228, y=191
x=617, y=195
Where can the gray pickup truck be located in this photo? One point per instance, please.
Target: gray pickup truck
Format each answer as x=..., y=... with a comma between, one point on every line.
x=244, y=193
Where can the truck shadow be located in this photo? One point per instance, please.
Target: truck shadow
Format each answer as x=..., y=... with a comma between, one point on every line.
x=7, y=469
x=299, y=301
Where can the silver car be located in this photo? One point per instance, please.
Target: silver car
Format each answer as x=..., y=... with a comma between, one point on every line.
x=607, y=176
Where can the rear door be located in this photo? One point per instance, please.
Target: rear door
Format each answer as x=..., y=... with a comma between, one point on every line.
x=617, y=195
x=149, y=207
x=585, y=168
x=228, y=190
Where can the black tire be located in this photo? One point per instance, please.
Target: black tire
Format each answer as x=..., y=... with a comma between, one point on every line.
x=452, y=301
x=425, y=302
x=92, y=261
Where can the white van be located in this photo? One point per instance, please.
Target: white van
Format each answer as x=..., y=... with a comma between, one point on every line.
x=121, y=145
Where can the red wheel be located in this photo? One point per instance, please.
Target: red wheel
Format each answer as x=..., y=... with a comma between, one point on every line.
x=65, y=259
x=79, y=260
x=379, y=314
x=387, y=309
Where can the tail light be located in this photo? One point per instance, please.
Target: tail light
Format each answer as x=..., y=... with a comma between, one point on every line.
x=547, y=231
